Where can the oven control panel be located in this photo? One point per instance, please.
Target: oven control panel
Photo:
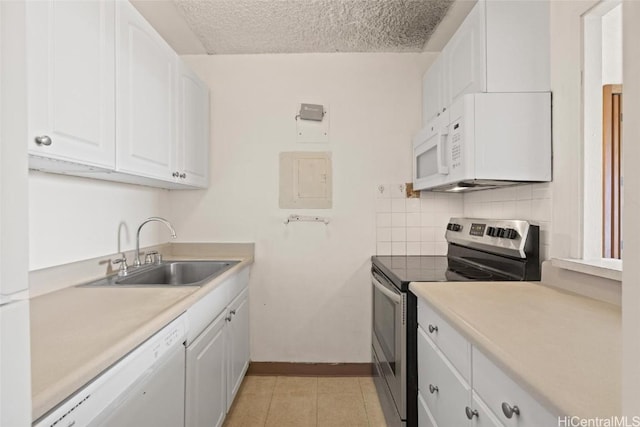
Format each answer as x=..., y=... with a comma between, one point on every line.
x=507, y=237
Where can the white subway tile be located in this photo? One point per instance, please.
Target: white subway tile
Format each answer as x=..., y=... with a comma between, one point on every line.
x=383, y=220
x=427, y=248
x=383, y=248
x=383, y=234
x=398, y=205
x=523, y=192
x=541, y=209
x=383, y=205
x=413, y=205
x=427, y=234
x=541, y=191
x=398, y=219
x=427, y=219
x=413, y=248
x=398, y=248
x=413, y=220
x=398, y=234
x=441, y=248
x=427, y=205
x=414, y=234
x=523, y=209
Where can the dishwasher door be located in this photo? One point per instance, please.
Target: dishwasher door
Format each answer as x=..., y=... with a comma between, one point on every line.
x=145, y=388
x=156, y=399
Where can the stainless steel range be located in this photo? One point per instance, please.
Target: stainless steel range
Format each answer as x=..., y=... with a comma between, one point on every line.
x=478, y=250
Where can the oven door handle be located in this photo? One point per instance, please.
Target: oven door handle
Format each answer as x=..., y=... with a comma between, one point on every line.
x=391, y=295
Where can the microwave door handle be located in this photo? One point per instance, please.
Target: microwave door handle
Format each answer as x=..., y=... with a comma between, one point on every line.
x=391, y=295
x=443, y=169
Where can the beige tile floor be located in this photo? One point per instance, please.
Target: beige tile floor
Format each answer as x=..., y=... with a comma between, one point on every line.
x=306, y=401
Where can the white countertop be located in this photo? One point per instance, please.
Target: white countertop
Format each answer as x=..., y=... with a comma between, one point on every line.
x=562, y=348
x=78, y=332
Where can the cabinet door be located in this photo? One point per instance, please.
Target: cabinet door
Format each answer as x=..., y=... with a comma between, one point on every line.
x=145, y=97
x=434, y=90
x=238, y=344
x=465, y=53
x=206, y=380
x=193, y=129
x=70, y=51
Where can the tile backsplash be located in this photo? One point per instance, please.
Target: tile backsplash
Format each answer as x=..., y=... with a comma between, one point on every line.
x=416, y=226
x=413, y=226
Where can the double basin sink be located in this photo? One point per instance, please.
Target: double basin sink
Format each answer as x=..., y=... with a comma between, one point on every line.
x=168, y=273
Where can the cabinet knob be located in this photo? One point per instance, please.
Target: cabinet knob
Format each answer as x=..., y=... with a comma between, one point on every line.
x=175, y=174
x=43, y=140
x=509, y=410
x=228, y=318
x=433, y=329
x=471, y=412
x=183, y=175
x=233, y=312
x=433, y=388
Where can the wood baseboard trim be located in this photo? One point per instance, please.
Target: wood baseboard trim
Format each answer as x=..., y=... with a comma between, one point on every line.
x=311, y=369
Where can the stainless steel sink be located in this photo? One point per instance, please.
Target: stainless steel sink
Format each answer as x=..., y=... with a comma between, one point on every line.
x=169, y=273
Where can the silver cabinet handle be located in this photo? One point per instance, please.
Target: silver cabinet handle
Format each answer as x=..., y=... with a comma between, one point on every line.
x=175, y=174
x=183, y=175
x=471, y=412
x=43, y=140
x=433, y=388
x=228, y=318
x=433, y=329
x=509, y=410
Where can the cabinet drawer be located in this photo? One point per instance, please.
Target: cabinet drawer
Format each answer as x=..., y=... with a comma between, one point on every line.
x=454, y=346
x=485, y=418
x=425, y=419
x=444, y=390
x=496, y=388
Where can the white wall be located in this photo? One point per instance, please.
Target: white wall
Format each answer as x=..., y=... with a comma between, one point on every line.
x=71, y=219
x=612, y=46
x=310, y=287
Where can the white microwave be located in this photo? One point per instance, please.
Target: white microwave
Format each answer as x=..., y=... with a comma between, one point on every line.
x=485, y=140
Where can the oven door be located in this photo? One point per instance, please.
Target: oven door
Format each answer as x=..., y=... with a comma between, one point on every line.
x=390, y=338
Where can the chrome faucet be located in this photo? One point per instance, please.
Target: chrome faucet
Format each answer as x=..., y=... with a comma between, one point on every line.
x=136, y=261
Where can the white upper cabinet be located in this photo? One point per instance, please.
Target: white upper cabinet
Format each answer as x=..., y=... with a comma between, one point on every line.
x=71, y=109
x=435, y=91
x=464, y=56
x=145, y=97
x=500, y=47
x=109, y=99
x=192, y=148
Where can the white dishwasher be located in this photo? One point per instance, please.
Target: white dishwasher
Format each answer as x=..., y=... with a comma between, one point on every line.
x=145, y=388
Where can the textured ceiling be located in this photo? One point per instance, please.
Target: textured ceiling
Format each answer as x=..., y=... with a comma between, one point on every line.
x=297, y=26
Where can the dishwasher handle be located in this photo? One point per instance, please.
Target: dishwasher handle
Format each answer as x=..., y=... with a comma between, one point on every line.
x=393, y=296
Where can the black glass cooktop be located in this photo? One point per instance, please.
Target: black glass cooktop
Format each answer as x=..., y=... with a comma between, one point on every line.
x=402, y=270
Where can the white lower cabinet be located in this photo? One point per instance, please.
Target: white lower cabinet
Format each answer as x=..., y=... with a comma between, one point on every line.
x=237, y=344
x=206, y=390
x=446, y=398
x=218, y=353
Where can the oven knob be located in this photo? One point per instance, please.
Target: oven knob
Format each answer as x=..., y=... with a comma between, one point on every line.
x=457, y=227
x=500, y=232
x=510, y=233
x=491, y=231
x=450, y=226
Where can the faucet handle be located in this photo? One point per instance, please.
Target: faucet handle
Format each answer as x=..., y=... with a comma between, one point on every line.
x=122, y=271
x=150, y=257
